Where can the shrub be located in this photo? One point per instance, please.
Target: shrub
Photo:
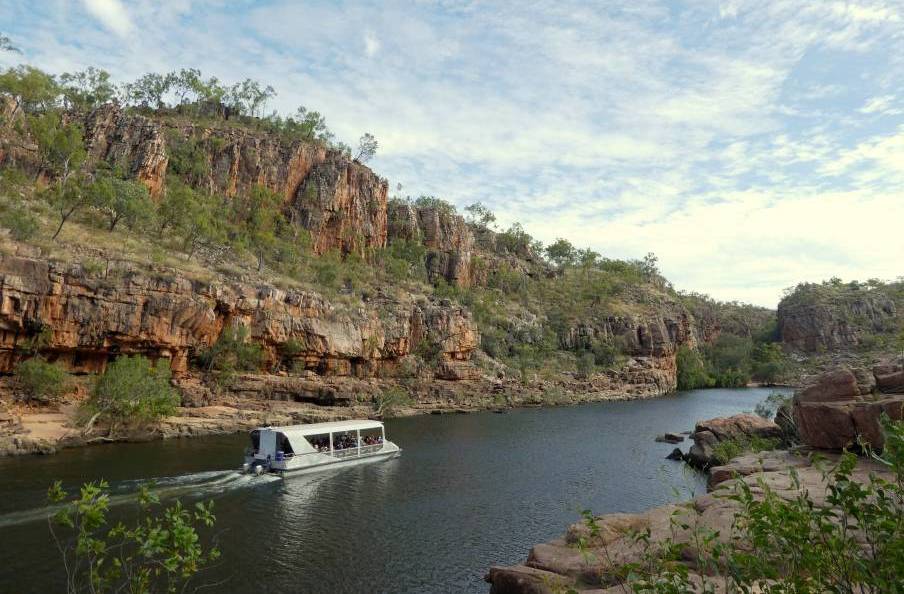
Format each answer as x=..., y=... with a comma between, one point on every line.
x=40, y=380
x=232, y=353
x=149, y=552
x=770, y=406
x=22, y=224
x=585, y=365
x=389, y=400
x=691, y=370
x=132, y=391
x=727, y=449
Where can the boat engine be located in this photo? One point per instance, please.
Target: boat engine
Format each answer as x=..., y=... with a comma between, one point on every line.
x=246, y=467
x=258, y=470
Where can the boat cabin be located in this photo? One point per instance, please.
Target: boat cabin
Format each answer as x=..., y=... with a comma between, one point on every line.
x=297, y=446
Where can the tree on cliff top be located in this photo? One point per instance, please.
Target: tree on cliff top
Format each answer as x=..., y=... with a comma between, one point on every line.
x=480, y=216
x=31, y=89
x=367, y=148
x=87, y=88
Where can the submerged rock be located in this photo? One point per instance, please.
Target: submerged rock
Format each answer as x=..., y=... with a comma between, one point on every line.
x=669, y=438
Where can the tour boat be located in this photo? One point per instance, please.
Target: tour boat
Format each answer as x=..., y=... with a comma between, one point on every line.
x=317, y=446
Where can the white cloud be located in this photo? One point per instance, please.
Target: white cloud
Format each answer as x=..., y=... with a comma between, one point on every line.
x=112, y=14
x=883, y=105
x=371, y=44
x=736, y=139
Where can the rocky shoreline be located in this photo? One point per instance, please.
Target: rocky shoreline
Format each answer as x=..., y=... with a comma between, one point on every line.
x=840, y=409
x=562, y=565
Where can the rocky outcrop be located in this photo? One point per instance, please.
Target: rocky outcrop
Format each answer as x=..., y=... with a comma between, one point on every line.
x=741, y=428
x=132, y=142
x=842, y=408
x=89, y=319
x=598, y=566
x=819, y=318
x=446, y=235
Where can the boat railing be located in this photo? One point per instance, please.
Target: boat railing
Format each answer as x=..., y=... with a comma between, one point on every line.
x=352, y=452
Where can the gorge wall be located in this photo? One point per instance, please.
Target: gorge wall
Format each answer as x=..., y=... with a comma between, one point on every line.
x=92, y=317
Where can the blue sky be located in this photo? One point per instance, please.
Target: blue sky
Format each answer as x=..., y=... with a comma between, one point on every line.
x=750, y=145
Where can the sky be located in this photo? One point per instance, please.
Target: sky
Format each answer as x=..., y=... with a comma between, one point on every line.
x=750, y=145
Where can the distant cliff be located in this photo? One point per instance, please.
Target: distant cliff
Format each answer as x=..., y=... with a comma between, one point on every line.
x=837, y=317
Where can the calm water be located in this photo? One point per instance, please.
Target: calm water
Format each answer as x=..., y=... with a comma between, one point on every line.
x=469, y=491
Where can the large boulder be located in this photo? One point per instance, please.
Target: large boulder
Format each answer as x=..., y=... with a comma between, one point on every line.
x=743, y=427
x=835, y=412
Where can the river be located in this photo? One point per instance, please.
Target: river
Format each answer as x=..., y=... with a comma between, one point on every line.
x=468, y=491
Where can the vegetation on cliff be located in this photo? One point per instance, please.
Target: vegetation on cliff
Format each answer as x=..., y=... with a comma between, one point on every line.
x=176, y=178
x=834, y=315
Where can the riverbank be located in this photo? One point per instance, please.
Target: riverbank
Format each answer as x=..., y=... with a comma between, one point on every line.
x=592, y=560
x=259, y=400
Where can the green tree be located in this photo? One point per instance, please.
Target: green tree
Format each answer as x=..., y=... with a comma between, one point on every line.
x=187, y=82
x=149, y=90
x=61, y=146
x=691, y=370
x=561, y=252
x=22, y=224
x=32, y=90
x=87, y=88
x=387, y=402
x=256, y=214
x=480, y=216
x=249, y=97
x=153, y=551
x=367, y=148
x=769, y=362
x=132, y=391
x=123, y=200
x=233, y=352
x=67, y=199
x=40, y=380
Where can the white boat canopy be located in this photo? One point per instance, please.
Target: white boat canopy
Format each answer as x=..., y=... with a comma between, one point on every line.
x=297, y=431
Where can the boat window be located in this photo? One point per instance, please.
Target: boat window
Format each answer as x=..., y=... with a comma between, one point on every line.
x=321, y=442
x=345, y=440
x=371, y=437
x=283, y=444
x=256, y=440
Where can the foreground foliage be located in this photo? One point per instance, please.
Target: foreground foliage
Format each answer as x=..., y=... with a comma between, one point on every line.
x=156, y=551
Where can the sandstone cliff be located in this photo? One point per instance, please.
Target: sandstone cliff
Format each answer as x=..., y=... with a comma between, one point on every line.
x=837, y=317
x=91, y=318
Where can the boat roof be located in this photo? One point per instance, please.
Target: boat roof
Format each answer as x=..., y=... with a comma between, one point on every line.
x=332, y=426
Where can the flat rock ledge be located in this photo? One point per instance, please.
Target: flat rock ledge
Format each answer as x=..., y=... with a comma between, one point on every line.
x=559, y=565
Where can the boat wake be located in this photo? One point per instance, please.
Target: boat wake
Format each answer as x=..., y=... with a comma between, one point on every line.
x=196, y=485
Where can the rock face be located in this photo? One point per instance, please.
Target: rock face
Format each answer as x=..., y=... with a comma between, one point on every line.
x=743, y=427
x=448, y=239
x=843, y=406
x=92, y=319
x=132, y=142
x=811, y=321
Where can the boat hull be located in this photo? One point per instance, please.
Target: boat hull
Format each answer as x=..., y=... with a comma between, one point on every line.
x=287, y=467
